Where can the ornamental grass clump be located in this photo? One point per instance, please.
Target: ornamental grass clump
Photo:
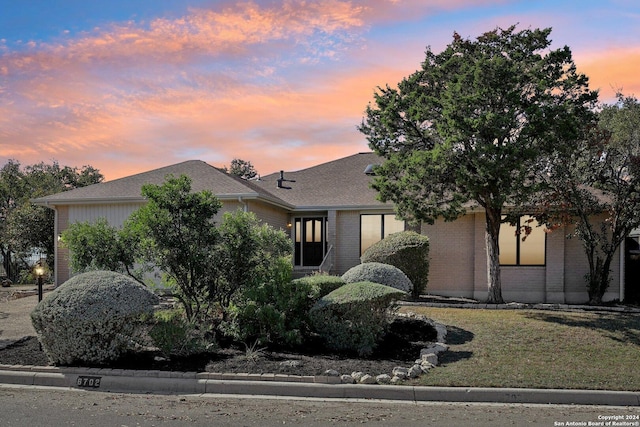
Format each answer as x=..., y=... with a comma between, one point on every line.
x=93, y=318
x=355, y=317
x=378, y=272
x=408, y=251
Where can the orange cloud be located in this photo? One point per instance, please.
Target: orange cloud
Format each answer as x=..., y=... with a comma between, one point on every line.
x=612, y=70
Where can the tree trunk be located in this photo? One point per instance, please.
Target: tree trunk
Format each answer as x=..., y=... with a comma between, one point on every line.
x=598, y=282
x=492, y=233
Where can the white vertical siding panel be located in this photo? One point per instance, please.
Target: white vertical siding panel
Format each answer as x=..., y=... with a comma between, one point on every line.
x=115, y=214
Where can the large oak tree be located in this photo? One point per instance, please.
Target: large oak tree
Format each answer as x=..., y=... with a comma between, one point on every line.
x=474, y=126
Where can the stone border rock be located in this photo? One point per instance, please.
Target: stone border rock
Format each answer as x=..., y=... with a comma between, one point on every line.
x=427, y=360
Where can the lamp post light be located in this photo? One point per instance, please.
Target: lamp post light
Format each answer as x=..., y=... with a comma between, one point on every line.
x=39, y=270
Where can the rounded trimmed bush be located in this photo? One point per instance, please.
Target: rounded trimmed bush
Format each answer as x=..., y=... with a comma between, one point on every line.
x=407, y=250
x=92, y=318
x=321, y=284
x=377, y=272
x=354, y=317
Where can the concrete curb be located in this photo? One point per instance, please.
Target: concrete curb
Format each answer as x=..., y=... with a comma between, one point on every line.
x=525, y=306
x=167, y=382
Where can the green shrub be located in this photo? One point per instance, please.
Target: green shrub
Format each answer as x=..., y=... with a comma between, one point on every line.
x=273, y=312
x=174, y=335
x=92, y=318
x=407, y=250
x=321, y=284
x=377, y=272
x=354, y=317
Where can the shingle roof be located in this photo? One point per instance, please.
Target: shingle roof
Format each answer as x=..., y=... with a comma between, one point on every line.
x=338, y=184
x=341, y=183
x=203, y=176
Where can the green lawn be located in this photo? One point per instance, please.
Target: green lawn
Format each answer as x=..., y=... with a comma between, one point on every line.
x=537, y=349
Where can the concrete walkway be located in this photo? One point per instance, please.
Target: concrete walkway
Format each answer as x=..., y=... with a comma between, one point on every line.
x=15, y=319
x=15, y=323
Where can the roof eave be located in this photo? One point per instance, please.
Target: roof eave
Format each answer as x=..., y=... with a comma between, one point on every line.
x=343, y=208
x=87, y=201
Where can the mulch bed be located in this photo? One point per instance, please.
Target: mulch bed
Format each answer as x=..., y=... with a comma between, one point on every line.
x=400, y=347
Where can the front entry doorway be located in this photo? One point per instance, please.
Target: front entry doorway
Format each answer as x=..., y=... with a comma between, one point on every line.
x=310, y=241
x=632, y=271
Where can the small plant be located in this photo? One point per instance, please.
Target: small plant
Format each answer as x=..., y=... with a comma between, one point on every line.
x=252, y=353
x=354, y=317
x=174, y=335
x=377, y=272
x=408, y=251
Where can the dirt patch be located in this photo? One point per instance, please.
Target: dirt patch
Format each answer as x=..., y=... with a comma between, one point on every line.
x=400, y=347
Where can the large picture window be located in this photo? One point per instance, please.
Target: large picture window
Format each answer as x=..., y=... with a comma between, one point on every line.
x=375, y=227
x=516, y=251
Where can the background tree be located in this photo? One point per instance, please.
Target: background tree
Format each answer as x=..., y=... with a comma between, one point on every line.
x=24, y=227
x=242, y=168
x=100, y=246
x=473, y=126
x=12, y=195
x=594, y=187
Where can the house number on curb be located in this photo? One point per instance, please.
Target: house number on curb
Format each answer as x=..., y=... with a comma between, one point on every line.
x=89, y=382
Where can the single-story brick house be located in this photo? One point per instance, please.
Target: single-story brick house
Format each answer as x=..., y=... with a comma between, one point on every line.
x=333, y=215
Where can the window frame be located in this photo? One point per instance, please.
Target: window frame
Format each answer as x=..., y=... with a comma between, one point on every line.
x=383, y=234
x=300, y=237
x=519, y=242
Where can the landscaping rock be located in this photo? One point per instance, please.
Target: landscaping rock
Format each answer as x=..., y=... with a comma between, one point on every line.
x=368, y=379
x=357, y=376
x=430, y=358
x=415, y=371
x=331, y=373
x=401, y=373
x=435, y=348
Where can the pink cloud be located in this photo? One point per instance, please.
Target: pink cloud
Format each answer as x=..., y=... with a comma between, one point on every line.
x=283, y=86
x=202, y=32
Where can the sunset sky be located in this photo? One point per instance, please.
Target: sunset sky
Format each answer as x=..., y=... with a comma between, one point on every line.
x=131, y=85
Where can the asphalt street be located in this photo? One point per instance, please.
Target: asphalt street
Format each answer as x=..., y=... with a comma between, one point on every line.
x=32, y=406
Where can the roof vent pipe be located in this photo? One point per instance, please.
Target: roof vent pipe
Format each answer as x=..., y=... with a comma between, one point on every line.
x=281, y=180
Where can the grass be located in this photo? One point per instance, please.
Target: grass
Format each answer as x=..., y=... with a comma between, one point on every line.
x=537, y=349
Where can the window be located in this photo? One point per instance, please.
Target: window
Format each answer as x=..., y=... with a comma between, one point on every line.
x=515, y=251
x=374, y=228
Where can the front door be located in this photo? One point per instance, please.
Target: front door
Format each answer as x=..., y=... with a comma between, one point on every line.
x=310, y=241
x=632, y=271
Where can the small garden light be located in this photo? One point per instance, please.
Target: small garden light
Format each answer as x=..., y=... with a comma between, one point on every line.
x=39, y=271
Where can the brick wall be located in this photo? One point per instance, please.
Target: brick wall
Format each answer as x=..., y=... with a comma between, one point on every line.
x=276, y=217
x=458, y=266
x=347, y=244
x=451, y=257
